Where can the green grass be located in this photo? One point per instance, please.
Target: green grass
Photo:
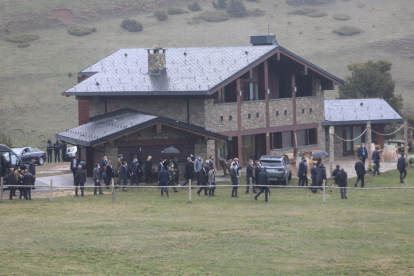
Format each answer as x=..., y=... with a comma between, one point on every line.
x=144, y=234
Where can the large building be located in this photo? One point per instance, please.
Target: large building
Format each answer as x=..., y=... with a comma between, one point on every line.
x=226, y=102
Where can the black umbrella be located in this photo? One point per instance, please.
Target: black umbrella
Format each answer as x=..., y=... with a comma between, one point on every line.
x=170, y=150
x=319, y=154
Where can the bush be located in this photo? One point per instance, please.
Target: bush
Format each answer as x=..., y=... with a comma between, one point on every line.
x=256, y=12
x=214, y=16
x=195, y=6
x=411, y=161
x=236, y=8
x=175, y=10
x=317, y=14
x=302, y=11
x=347, y=30
x=21, y=38
x=5, y=140
x=161, y=15
x=369, y=168
x=341, y=16
x=131, y=25
x=80, y=30
x=221, y=5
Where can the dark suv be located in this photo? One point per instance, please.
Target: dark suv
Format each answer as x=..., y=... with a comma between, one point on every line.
x=278, y=168
x=9, y=159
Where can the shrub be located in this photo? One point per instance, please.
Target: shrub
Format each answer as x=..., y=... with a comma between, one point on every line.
x=21, y=38
x=256, y=12
x=175, y=10
x=411, y=161
x=369, y=168
x=317, y=14
x=131, y=25
x=347, y=30
x=236, y=8
x=221, y=4
x=161, y=15
x=214, y=16
x=341, y=16
x=302, y=11
x=80, y=30
x=195, y=6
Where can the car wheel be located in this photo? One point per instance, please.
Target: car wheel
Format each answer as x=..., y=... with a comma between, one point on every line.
x=287, y=181
x=41, y=161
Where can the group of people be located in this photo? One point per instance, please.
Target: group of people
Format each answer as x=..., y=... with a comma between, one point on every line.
x=56, y=148
x=23, y=176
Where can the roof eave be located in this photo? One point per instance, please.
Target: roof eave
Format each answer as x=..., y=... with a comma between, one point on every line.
x=362, y=122
x=138, y=93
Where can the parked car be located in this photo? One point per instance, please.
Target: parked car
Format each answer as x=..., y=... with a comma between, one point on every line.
x=28, y=153
x=8, y=159
x=70, y=153
x=278, y=168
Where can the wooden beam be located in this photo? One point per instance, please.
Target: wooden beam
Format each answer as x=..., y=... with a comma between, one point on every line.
x=159, y=128
x=266, y=88
x=238, y=88
x=267, y=143
x=294, y=98
x=269, y=130
x=278, y=55
x=240, y=152
x=306, y=70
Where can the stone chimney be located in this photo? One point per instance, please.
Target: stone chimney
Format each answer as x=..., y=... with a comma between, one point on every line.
x=156, y=60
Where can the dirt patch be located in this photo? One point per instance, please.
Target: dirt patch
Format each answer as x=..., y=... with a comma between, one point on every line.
x=64, y=16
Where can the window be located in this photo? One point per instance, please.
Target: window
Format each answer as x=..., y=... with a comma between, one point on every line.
x=249, y=116
x=277, y=113
x=257, y=115
x=251, y=91
x=287, y=139
x=306, y=137
x=230, y=117
x=271, y=163
x=303, y=86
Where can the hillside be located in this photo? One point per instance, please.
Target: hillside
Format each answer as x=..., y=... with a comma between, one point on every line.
x=32, y=108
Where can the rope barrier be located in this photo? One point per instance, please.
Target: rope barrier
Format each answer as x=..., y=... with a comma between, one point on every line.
x=388, y=133
x=351, y=139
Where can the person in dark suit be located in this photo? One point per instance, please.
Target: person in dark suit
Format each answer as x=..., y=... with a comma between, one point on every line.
x=362, y=153
x=97, y=180
x=202, y=176
x=28, y=181
x=341, y=180
x=189, y=171
x=74, y=163
x=49, y=149
x=80, y=178
x=250, y=175
x=321, y=174
x=234, y=180
x=161, y=165
x=402, y=167
x=335, y=172
x=376, y=159
x=32, y=170
x=109, y=174
x=148, y=169
x=173, y=160
x=56, y=148
x=102, y=166
x=82, y=163
x=124, y=175
x=263, y=180
x=12, y=181
x=163, y=178
x=360, y=171
x=134, y=169
x=303, y=173
x=314, y=173
x=257, y=171
x=63, y=148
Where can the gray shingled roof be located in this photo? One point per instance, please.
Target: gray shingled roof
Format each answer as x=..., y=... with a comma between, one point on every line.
x=113, y=124
x=190, y=71
x=358, y=111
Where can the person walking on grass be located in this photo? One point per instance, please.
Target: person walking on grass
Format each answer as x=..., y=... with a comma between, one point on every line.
x=376, y=159
x=148, y=169
x=28, y=181
x=211, y=182
x=198, y=165
x=250, y=176
x=402, y=167
x=321, y=175
x=341, y=180
x=202, y=177
x=32, y=170
x=314, y=173
x=360, y=171
x=189, y=171
x=109, y=174
x=171, y=173
x=234, y=180
x=49, y=149
x=362, y=153
x=12, y=181
x=80, y=179
x=97, y=179
x=303, y=173
x=163, y=179
x=263, y=180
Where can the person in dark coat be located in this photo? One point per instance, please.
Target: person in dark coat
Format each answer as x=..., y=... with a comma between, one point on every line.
x=28, y=181
x=148, y=169
x=109, y=174
x=56, y=148
x=102, y=166
x=63, y=148
x=134, y=169
x=211, y=182
x=314, y=173
x=303, y=172
x=97, y=180
x=163, y=179
x=12, y=181
x=165, y=163
x=263, y=180
x=257, y=171
x=335, y=172
x=376, y=157
x=49, y=149
x=74, y=163
x=360, y=171
x=362, y=153
x=80, y=178
x=139, y=169
x=321, y=175
x=234, y=180
x=161, y=165
x=83, y=164
x=250, y=176
x=176, y=169
x=124, y=175
x=402, y=167
x=32, y=170
x=341, y=180
x=189, y=171
x=202, y=176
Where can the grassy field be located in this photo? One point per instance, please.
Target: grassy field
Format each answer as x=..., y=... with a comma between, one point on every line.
x=33, y=78
x=144, y=234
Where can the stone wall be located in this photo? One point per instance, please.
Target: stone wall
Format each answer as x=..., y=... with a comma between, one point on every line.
x=316, y=115
x=280, y=105
x=169, y=108
x=253, y=108
x=338, y=144
x=281, y=151
x=213, y=113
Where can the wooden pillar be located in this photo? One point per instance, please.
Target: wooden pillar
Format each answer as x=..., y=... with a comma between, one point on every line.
x=295, y=144
x=368, y=142
x=267, y=92
x=239, y=92
x=331, y=149
x=267, y=143
x=406, y=139
x=240, y=151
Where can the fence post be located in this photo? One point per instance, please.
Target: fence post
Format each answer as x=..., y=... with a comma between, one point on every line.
x=189, y=191
x=51, y=190
x=251, y=189
x=324, y=194
x=113, y=190
x=406, y=138
x=1, y=192
x=406, y=191
x=369, y=146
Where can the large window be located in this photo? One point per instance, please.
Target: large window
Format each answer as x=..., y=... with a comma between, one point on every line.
x=251, y=91
x=283, y=140
x=306, y=137
x=303, y=86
